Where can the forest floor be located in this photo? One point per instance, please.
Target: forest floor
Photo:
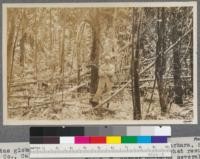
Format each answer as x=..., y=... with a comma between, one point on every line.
x=62, y=106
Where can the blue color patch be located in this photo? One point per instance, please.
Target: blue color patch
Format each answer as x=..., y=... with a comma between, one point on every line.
x=143, y=139
x=159, y=139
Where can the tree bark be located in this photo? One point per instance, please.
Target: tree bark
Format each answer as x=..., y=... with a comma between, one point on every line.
x=95, y=53
x=135, y=68
x=10, y=43
x=160, y=61
x=176, y=62
x=36, y=52
x=22, y=49
x=62, y=56
x=50, y=28
x=191, y=60
x=78, y=54
x=23, y=39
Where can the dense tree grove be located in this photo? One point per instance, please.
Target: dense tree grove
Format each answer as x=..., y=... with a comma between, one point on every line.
x=54, y=56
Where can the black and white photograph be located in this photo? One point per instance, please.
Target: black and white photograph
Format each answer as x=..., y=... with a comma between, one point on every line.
x=98, y=63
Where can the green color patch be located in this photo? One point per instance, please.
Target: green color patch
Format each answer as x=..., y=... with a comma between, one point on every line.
x=128, y=139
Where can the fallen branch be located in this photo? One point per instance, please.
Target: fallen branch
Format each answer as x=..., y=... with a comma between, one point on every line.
x=165, y=78
x=26, y=96
x=71, y=89
x=109, y=98
x=43, y=105
x=125, y=47
x=67, y=78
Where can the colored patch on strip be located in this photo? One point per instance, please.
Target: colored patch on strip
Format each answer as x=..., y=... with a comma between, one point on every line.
x=97, y=140
x=159, y=139
x=128, y=139
x=36, y=140
x=143, y=139
x=113, y=139
x=66, y=140
x=82, y=140
x=51, y=139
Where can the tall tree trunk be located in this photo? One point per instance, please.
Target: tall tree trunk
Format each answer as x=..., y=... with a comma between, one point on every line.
x=191, y=60
x=60, y=45
x=63, y=62
x=135, y=67
x=23, y=39
x=95, y=53
x=62, y=51
x=12, y=59
x=10, y=44
x=22, y=49
x=50, y=28
x=176, y=62
x=78, y=54
x=160, y=60
x=36, y=52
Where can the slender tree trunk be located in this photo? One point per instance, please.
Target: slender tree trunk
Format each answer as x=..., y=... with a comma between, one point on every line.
x=22, y=50
x=12, y=58
x=160, y=60
x=191, y=60
x=176, y=62
x=10, y=45
x=78, y=54
x=135, y=68
x=36, y=53
x=62, y=51
x=11, y=52
x=63, y=62
x=22, y=41
x=50, y=26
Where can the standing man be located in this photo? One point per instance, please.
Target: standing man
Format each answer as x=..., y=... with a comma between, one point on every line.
x=106, y=73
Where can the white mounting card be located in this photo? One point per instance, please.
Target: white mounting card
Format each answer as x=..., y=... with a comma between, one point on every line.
x=185, y=147
x=18, y=150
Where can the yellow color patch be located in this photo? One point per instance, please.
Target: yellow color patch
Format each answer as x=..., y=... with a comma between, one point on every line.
x=113, y=139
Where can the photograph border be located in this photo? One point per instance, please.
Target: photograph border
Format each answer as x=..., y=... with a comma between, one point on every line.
x=7, y=121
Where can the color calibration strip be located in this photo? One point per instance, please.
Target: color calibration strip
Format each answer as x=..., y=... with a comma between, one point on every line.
x=102, y=131
x=98, y=139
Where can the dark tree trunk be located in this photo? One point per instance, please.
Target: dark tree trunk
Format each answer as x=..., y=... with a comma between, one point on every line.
x=160, y=60
x=135, y=68
x=176, y=62
x=191, y=60
x=95, y=53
